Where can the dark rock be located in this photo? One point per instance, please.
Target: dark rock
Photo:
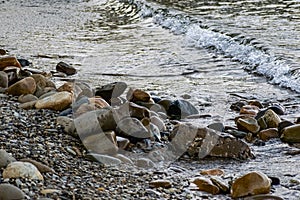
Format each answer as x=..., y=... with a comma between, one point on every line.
x=65, y=68
x=283, y=125
x=2, y=52
x=24, y=62
x=112, y=90
x=10, y=192
x=218, y=126
x=180, y=109
x=238, y=105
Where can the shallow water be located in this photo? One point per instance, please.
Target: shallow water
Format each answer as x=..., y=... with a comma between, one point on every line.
x=209, y=50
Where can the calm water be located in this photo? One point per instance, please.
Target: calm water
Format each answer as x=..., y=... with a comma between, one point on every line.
x=207, y=49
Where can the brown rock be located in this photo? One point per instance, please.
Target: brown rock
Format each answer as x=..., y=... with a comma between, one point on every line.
x=3, y=79
x=135, y=95
x=251, y=184
x=65, y=68
x=212, y=172
x=206, y=185
x=58, y=101
x=291, y=134
x=267, y=134
x=271, y=119
x=27, y=98
x=22, y=170
x=68, y=87
x=40, y=80
x=40, y=166
x=98, y=102
x=28, y=105
x=248, y=124
x=9, y=61
x=249, y=109
x=160, y=183
x=24, y=86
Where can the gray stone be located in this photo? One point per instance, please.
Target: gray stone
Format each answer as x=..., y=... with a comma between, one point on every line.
x=5, y=158
x=67, y=124
x=3, y=79
x=132, y=127
x=104, y=159
x=22, y=170
x=10, y=192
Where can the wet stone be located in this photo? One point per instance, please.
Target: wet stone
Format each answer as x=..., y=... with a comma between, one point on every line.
x=65, y=68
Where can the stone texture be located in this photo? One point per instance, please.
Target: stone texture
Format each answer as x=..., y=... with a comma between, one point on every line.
x=58, y=101
x=253, y=183
x=10, y=192
x=112, y=90
x=40, y=80
x=65, y=68
x=205, y=184
x=212, y=172
x=160, y=183
x=248, y=124
x=136, y=95
x=132, y=127
x=3, y=79
x=291, y=134
x=67, y=124
x=24, y=86
x=28, y=105
x=9, y=61
x=249, y=109
x=68, y=87
x=267, y=134
x=98, y=102
x=40, y=166
x=22, y=170
x=5, y=158
x=271, y=118
x=27, y=98
x=180, y=109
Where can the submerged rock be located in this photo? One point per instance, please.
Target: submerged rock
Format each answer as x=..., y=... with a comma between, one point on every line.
x=251, y=184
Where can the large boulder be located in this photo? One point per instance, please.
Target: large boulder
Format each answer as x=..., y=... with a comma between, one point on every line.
x=24, y=86
x=9, y=61
x=58, y=101
x=291, y=134
x=252, y=183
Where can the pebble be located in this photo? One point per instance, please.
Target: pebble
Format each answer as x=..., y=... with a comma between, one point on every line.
x=160, y=183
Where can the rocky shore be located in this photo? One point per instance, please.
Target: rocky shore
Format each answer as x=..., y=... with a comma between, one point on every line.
x=71, y=141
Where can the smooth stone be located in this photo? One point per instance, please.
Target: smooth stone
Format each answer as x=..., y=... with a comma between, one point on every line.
x=136, y=95
x=9, y=61
x=130, y=109
x=27, y=98
x=66, y=112
x=207, y=142
x=67, y=87
x=160, y=183
x=144, y=163
x=262, y=123
x=224, y=187
x=104, y=159
x=132, y=127
x=5, y=158
x=40, y=166
x=101, y=143
x=98, y=102
x=206, y=185
x=212, y=172
x=65, y=68
x=67, y=124
x=10, y=192
x=180, y=109
x=236, y=133
x=158, y=122
x=3, y=79
x=248, y=124
x=49, y=191
x=249, y=109
x=79, y=102
x=112, y=90
x=40, y=80
x=253, y=183
x=124, y=159
x=278, y=109
x=58, y=101
x=22, y=170
x=271, y=118
x=34, y=71
x=122, y=142
x=28, y=105
x=291, y=134
x=283, y=124
x=267, y=134
x=24, y=86
x=217, y=126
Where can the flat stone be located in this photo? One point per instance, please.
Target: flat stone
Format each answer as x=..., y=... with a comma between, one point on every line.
x=291, y=134
x=10, y=192
x=158, y=122
x=224, y=187
x=160, y=183
x=58, y=101
x=5, y=158
x=253, y=183
x=22, y=170
x=248, y=124
x=205, y=184
x=267, y=134
x=24, y=86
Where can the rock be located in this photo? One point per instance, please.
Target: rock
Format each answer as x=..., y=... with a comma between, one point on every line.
x=180, y=109
x=101, y=143
x=27, y=98
x=40, y=166
x=104, y=159
x=24, y=86
x=65, y=68
x=24, y=62
x=253, y=183
x=291, y=134
x=236, y=133
x=3, y=79
x=132, y=127
x=136, y=95
x=98, y=102
x=112, y=90
x=10, y=192
x=237, y=106
x=5, y=158
x=224, y=187
x=40, y=80
x=124, y=159
x=278, y=109
x=207, y=142
x=267, y=134
x=248, y=124
x=2, y=52
x=122, y=142
x=12, y=74
x=263, y=197
x=22, y=170
x=133, y=110
x=165, y=104
x=28, y=105
x=206, y=185
x=58, y=101
x=249, y=109
x=68, y=87
x=160, y=183
x=255, y=103
x=144, y=163
x=271, y=118
x=218, y=126
x=212, y=172
x=9, y=61
x=67, y=124
x=158, y=122
x=84, y=108
x=283, y=124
